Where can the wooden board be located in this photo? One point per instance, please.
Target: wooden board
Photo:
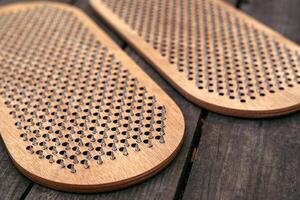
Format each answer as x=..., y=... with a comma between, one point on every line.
x=284, y=16
x=168, y=184
x=216, y=56
x=78, y=114
x=13, y=184
x=251, y=159
x=242, y=159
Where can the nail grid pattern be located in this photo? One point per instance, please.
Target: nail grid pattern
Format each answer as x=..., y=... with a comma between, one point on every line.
x=214, y=48
x=71, y=99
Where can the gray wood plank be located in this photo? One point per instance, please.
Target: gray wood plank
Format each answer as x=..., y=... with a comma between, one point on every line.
x=247, y=159
x=251, y=159
x=233, y=2
x=12, y=183
x=282, y=16
x=164, y=185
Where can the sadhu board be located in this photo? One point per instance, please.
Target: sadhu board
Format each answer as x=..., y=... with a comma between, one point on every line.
x=77, y=114
x=216, y=56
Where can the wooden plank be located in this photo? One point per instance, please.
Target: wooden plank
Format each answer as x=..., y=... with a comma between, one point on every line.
x=164, y=184
x=246, y=159
x=12, y=183
x=84, y=5
x=283, y=16
x=232, y=2
x=251, y=159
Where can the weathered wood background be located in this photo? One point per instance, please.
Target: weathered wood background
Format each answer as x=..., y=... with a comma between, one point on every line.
x=235, y=158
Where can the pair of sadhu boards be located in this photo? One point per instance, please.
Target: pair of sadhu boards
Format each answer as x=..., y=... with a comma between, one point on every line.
x=76, y=113
x=216, y=56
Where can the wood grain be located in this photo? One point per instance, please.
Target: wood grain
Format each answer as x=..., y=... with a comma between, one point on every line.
x=250, y=159
x=12, y=182
x=164, y=185
x=228, y=86
x=242, y=159
x=232, y=2
x=286, y=19
x=116, y=172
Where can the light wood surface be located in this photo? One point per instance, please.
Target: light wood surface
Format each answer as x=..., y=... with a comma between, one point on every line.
x=57, y=67
x=166, y=185
x=215, y=55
